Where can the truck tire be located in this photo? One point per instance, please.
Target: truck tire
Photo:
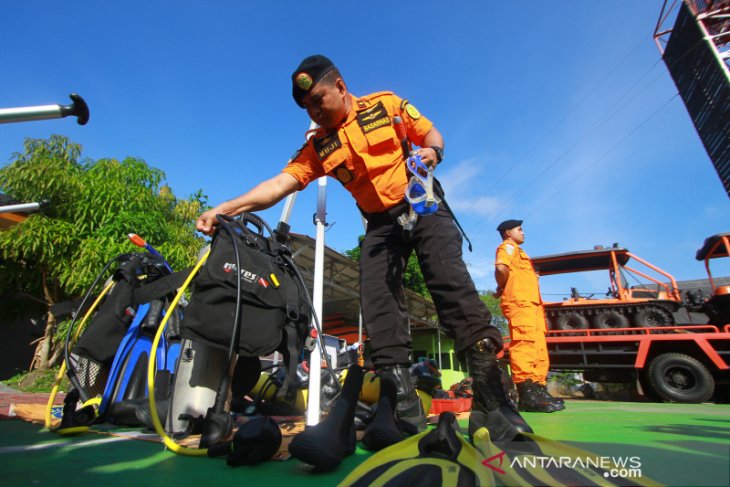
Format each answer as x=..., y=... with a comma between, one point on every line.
x=609, y=318
x=571, y=321
x=676, y=377
x=649, y=316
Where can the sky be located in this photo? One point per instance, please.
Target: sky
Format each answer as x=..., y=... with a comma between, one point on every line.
x=558, y=113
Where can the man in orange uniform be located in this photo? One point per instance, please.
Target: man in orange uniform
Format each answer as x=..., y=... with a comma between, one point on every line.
x=357, y=144
x=522, y=305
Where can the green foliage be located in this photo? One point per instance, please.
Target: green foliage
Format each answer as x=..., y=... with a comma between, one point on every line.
x=498, y=318
x=412, y=277
x=37, y=381
x=93, y=205
x=566, y=379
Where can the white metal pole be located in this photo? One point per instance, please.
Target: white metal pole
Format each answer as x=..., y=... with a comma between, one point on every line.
x=360, y=324
x=288, y=205
x=313, y=412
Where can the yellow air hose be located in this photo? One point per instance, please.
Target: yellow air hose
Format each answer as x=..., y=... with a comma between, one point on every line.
x=151, y=369
x=62, y=370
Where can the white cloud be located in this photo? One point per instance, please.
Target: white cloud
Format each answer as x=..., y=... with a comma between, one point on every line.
x=463, y=183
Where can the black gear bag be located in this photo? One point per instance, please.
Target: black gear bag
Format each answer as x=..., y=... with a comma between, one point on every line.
x=275, y=310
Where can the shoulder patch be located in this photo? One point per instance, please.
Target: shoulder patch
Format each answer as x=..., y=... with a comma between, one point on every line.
x=412, y=111
x=509, y=248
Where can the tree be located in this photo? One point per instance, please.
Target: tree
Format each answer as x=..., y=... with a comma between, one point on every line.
x=412, y=277
x=492, y=303
x=55, y=255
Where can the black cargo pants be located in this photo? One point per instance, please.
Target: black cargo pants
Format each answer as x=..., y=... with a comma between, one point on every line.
x=385, y=251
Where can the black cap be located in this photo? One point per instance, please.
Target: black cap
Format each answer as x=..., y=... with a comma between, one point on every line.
x=508, y=225
x=307, y=74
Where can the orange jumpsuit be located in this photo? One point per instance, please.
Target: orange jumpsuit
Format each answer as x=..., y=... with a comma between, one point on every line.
x=522, y=306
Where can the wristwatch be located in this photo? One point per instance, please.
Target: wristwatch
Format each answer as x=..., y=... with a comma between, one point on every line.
x=439, y=153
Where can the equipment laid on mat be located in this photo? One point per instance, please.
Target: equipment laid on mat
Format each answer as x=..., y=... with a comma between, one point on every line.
x=435, y=457
x=109, y=359
x=325, y=444
x=248, y=300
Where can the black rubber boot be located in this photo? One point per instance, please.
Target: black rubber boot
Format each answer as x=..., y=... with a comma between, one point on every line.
x=327, y=443
x=532, y=400
x=383, y=430
x=490, y=397
x=409, y=410
x=558, y=402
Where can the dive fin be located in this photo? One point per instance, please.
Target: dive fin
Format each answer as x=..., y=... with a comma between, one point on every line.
x=535, y=460
x=437, y=457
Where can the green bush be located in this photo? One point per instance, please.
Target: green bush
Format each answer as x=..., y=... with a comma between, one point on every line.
x=37, y=381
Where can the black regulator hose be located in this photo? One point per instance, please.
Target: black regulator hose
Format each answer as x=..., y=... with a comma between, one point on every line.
x=218, y=423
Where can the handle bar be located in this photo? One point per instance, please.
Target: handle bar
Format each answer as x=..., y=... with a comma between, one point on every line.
x=78, y=109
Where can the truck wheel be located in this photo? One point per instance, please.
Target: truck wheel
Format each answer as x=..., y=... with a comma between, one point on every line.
x=653, y=316
x=676, y=377
x=609, y=319
x=571, y=321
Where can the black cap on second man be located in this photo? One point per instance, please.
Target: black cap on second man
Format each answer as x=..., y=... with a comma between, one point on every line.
x=307, y=74
x=508, y=225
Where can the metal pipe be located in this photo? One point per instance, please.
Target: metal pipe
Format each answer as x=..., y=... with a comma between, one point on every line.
x=313, y=412
x=78, y=108
x=21, y=208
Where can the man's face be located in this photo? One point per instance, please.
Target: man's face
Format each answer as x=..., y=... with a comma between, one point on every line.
x=325, y=103
x=516, y=234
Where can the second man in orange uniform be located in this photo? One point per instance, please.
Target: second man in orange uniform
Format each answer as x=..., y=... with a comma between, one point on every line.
x=521, y=304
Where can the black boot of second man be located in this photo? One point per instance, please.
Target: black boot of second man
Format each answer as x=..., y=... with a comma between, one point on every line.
x=534, y=400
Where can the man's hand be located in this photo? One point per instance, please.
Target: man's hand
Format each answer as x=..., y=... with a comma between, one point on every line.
x=263, y=196
x=428, y=156
x=206, y=222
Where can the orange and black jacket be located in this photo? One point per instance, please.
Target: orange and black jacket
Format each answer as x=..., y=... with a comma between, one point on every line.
x=363, y=152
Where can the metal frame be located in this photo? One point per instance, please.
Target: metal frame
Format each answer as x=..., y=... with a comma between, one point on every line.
x=713, y=18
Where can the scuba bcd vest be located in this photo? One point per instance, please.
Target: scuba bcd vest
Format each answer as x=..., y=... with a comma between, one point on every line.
x=275, y=313
x=98, y=345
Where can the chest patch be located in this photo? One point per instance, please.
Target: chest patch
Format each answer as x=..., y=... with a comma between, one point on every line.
x=343, y=174
x=373, y=118
x=324, y=146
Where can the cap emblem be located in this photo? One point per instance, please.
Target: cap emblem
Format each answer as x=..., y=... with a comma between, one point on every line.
x=304, y=81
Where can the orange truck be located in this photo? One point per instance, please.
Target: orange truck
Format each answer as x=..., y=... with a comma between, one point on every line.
x=622, y=306
x=637, y=334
